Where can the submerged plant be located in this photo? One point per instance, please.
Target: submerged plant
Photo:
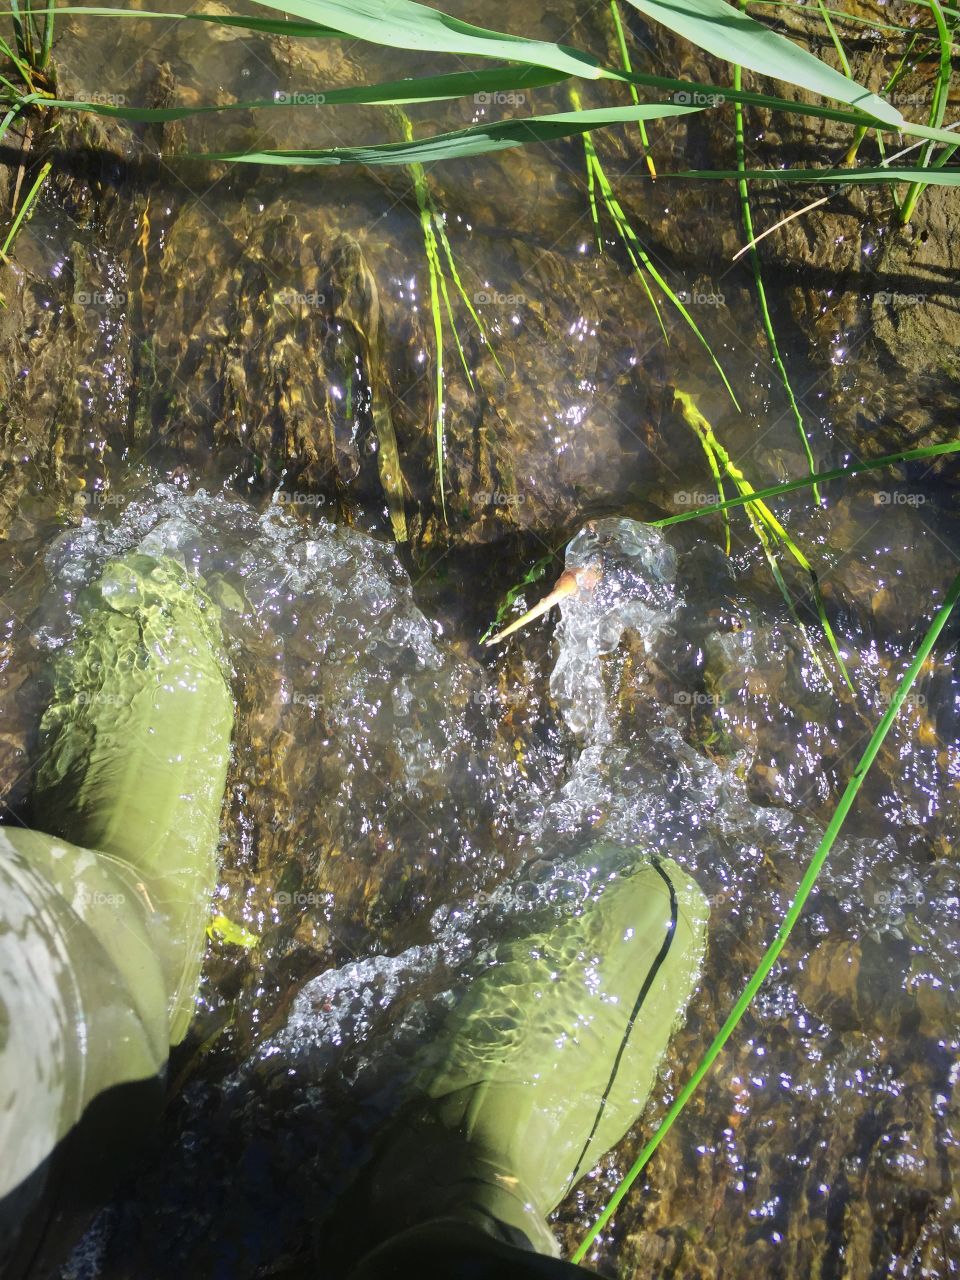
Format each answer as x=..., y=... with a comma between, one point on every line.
x=770, y=532
x=628, y=67
x=435, y=240
x=822, y=477
x=640, y=260
x=771, y=336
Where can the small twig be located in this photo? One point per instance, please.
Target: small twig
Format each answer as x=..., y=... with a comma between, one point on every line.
x=782, y=223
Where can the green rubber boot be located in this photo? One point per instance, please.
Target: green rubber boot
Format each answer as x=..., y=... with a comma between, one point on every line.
x=545, y=1065
x=102, y=921
x=137, y=743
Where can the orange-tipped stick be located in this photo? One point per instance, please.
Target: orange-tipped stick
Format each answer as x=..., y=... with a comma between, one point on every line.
x=569, y=582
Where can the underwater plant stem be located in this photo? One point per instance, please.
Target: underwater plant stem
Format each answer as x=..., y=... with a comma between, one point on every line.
x=628, y=66
x=438, y=368
x=835, y=39
x=46, y=43
x=597, y=179
x=861, y=132
x=714, y=466
x=438, y=287
x=803, y=892
x=639, y=258
x=747, y=217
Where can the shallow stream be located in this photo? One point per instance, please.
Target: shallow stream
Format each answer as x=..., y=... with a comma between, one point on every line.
x=397, y=792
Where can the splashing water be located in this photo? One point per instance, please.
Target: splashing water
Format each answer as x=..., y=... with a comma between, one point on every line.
x=374, y=811
x=635, y=590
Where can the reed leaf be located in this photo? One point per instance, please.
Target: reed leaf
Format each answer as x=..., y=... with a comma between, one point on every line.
x=479, y=139
x=733, y=35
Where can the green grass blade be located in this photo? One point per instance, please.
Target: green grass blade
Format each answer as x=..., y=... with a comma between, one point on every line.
x=398, y=24
x=747, y=217
x=435, y=275
x=892, y=173
x=631, y=243
x=24, y=209
x=483, y=139
x=423, y=89
x=20, y=33
x=766, y=535
x=8, y=120
x=435, y=237
x=784, y=539
x=438, y=342
x=594, y=209
x=480, y=139
x=714, y=466
x=38, y=36
x=445, y=293
x=777, y=573
x=46, y=44
x=794, y=911
x=861, y=133
x=680, y=306
x=791, y=486
x=841, y=52
x=269, y=26
x=821, y=609
x=628, y=237
x=832, y=32
x=693, y=90
x=937, y=107
x=17, y=99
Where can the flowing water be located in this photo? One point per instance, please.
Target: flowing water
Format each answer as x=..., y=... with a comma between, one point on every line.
x=397, y=793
